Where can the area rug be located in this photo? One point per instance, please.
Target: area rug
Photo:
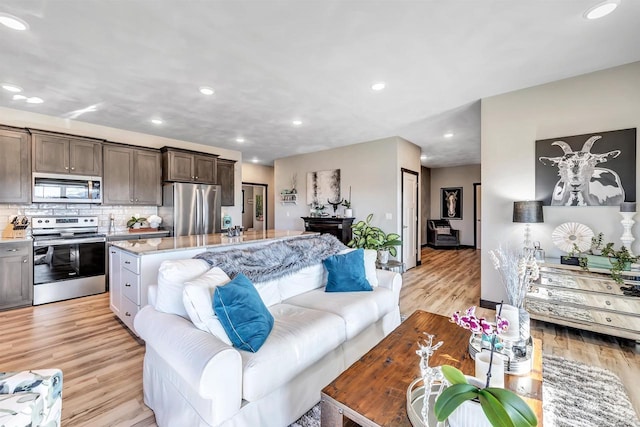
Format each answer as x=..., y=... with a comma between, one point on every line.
x=573, y=395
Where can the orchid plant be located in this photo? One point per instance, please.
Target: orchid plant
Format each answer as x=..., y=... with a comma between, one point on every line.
x=502, y=407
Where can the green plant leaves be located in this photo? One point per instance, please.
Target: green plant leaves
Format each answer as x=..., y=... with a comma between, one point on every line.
x=453, y=375
x=519, y=412
x=451, y=398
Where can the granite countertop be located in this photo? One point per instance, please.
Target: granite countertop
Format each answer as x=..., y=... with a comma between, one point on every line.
x=125, y=232
x=206, y=241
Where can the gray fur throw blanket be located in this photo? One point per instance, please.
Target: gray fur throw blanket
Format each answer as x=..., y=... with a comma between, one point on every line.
x=274, y=260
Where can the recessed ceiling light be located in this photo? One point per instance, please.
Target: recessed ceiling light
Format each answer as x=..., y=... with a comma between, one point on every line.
x=423, y=157
x=13, y=22
x=239, y=140
x=206, y=90
x=18, y=97
x=601, y=9
x=35, y=100
x=11, y=88
x=378, y=86
x=255, y=160
x=448, y=135
x=156, y=121
x=296, y=122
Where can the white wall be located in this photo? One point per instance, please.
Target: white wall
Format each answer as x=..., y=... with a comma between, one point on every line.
x=372, y=169
x=260, y=174
x=511, y=123
x=459, y=176
x=27, y=119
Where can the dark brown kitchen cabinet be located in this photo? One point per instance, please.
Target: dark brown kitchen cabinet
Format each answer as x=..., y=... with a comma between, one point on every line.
x=226, y=179
x=188, y=166
x=131, y=176
x=66, y=154
x=16, y=274
x=15, y=167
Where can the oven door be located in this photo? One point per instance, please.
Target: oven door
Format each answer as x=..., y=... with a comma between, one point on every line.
x=67, y=259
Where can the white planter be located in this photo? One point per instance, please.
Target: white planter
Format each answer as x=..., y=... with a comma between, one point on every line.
x=348, y=213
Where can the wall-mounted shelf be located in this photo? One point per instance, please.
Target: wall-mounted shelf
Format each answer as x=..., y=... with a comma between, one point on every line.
x=289, y=198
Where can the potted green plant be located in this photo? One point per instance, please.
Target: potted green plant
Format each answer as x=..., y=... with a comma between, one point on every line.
x=367, y=236
x=620, y=260
x=136, y=222
x=503, y=408
x=603, y=256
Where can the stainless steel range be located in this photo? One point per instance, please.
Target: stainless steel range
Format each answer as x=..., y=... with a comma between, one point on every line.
x=69, y=258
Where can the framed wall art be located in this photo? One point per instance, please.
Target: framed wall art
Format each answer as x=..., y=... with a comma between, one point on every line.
x=451, y=203
x=323, y=187
x=595, y=169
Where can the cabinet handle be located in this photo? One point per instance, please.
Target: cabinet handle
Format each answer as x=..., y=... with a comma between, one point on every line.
x=608, y=302
x=193, y=177
x=608, y=319
x=136, y=200
x=196, y=177
x=66, y=168
x=126, y=313
x=131, y=200
x=24, y=260
x=73, y=169
x=113, y=252
x=609, y=287
x=127, y=262
x=12, y=250
x=128, y=285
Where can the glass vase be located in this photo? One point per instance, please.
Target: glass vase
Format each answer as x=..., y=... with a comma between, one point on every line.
x=525, y=325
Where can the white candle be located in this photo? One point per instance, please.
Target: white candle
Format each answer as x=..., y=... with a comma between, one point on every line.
x=497, y=368
x=511, y=314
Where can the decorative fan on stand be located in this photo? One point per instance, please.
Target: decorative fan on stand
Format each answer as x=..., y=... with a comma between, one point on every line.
x=568, y=234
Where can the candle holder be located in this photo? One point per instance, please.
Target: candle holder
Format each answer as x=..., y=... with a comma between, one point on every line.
x=628, y=211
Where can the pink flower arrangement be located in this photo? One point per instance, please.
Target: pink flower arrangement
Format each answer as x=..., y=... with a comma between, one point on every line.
x=468, y=320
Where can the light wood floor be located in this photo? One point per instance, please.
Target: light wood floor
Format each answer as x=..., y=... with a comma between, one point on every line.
x=102, y=362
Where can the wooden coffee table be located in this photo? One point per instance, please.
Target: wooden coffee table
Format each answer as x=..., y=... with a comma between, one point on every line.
x=372, y=392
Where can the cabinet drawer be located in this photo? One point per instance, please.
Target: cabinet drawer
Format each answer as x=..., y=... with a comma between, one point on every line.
x=562, y=296
x=129, y=311
x=131, y=286
x=130, y=262
x=617, y=320
x=14, y=249
x=586, y=283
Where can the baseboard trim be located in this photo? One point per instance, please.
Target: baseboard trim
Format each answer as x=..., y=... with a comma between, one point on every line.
x=488, y=304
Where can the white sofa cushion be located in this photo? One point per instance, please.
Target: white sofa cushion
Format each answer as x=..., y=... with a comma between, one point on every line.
x=269, y=292
x=172, y=275
x=302, y=281
x=299, y=338
x=358, y=309
x=198, y=302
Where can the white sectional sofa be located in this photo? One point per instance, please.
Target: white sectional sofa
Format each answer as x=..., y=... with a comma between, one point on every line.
x=192, y=378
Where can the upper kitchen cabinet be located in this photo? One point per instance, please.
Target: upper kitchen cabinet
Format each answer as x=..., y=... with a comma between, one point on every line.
x=131, y=176
x=226, y=179
x=188, y=166
x=66, y=154
x=15, y=166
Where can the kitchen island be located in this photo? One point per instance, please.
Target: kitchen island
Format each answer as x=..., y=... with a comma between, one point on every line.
x=134, y=264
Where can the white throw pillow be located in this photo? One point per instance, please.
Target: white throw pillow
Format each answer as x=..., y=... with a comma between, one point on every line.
x=370, y=257
x=171, y=277
x=197, y=298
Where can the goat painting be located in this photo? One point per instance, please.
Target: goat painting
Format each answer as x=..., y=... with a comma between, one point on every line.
x=451, y=203
x=581, y=178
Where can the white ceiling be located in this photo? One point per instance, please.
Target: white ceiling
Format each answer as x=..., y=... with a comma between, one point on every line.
x=273, y=61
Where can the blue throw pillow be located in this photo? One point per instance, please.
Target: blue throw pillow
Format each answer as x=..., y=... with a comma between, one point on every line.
x=243, y=315
x=346, y=272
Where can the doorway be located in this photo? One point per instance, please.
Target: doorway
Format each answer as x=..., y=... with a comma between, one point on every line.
x=409, y=218
x=477, y=215
x=254, y=206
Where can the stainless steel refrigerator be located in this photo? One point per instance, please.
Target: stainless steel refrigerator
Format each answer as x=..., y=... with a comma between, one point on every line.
x=189, y=209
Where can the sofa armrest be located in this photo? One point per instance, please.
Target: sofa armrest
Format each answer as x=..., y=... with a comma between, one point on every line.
x=213, y=368
x=390, y=280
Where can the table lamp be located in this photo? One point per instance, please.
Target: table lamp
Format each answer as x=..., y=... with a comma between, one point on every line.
x=527, y=212
x=627, y=210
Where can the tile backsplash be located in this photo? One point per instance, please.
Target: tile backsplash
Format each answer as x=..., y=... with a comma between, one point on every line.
x=121, y=213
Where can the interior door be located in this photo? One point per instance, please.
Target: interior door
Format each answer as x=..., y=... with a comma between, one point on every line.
x=409, y=218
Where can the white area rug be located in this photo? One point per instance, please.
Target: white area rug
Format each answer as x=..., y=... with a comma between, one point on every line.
x=573, y=395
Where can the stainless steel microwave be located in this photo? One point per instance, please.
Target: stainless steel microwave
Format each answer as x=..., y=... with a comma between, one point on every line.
x=63, y=188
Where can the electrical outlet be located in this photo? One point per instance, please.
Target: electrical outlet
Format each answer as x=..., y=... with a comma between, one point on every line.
x=388, y=215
